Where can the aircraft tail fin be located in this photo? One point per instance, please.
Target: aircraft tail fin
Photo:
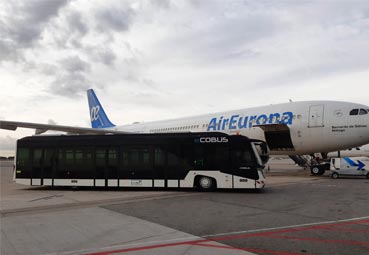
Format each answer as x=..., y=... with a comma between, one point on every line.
x=98, y=117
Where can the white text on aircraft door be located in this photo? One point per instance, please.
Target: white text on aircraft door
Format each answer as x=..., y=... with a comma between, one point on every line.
x=316, y=116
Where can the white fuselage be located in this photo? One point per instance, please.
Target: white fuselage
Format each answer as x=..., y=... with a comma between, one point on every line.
x=362, y=151
x=313, y=126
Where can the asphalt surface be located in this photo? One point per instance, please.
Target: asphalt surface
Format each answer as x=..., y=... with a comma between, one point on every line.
x=295, y=214
x=316, y=213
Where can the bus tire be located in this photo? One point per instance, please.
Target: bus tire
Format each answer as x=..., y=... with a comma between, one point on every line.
x=367, y=175
x=206, y=183
x=335, y=175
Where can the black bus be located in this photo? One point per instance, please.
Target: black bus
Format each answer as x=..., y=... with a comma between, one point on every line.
x=203, y=160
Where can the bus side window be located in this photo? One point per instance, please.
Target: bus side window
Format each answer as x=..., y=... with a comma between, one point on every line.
x=69, y=157
x=37, y=157
x=159, y=157
x=133, y=157
x=172, y=159
x=247, y=158
x=199, y=157
x=23, y=161
x=112, y=157
x=100, y=157
x=241, y=158
x=146, y=157
x=125, y=156
x=79, y=157
x=48, y=162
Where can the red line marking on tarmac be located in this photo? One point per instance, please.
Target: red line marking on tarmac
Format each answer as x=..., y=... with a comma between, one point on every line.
x=322, y=240
x=272, y=234
x=288, y=230
x=250, y=249
x=345, y=230
x=149, y=247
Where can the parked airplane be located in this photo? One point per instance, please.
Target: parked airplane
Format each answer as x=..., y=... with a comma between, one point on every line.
x=294, y=128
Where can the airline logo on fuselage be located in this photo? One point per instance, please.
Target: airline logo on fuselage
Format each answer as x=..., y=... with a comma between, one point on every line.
x=240, y=122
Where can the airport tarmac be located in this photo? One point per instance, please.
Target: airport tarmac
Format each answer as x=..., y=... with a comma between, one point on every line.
x=295, y=214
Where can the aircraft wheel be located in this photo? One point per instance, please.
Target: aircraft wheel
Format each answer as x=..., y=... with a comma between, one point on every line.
x=335, y=175
x=206, y=183
x=315, y=170
x=322, y=171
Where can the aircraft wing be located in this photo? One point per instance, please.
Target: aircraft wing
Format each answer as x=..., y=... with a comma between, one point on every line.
x=41, y=128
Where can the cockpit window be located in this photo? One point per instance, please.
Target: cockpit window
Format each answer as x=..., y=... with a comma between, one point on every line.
x=363, y=112
x=354, y=112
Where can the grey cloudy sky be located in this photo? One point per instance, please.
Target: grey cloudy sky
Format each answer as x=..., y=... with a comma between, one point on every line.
x=150, y=60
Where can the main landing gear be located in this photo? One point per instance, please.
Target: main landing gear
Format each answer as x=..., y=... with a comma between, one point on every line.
x=319, y=169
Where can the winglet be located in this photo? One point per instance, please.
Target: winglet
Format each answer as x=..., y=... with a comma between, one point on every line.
x=97, y=113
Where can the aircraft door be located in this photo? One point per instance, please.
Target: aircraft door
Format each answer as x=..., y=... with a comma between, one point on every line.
x=316, y=116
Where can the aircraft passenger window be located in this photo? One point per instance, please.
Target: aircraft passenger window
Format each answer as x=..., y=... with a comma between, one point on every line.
x=354, y=112
x=363, y=112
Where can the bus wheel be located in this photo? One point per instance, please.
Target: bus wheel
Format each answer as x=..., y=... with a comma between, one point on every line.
x=206, y=183
x=334, y=175
x=367, y=175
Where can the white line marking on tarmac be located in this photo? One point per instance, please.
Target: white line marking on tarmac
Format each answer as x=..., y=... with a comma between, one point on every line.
x=194, y=238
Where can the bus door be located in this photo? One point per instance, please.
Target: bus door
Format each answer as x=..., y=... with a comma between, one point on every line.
x=41, y=166
x=159, y=174
x=37, y=175
x=106, y=167
x=244, y=168
x=23, y=164
x=179, y=163
x=48, y=166
x=137, y=166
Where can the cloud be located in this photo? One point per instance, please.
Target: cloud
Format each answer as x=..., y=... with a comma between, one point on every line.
x=70, y=85
x=115, y=19
x=22, y=24
x=74, y=64
x=161, y=4
x=182, y=53
x=76, y=23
